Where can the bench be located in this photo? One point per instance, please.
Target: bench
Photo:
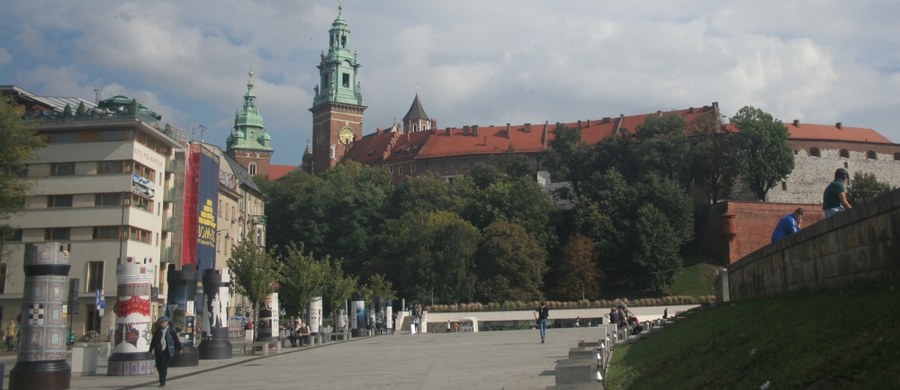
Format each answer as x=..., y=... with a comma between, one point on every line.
x=343, y=335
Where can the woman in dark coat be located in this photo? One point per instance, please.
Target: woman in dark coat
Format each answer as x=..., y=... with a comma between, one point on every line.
x=163, y=346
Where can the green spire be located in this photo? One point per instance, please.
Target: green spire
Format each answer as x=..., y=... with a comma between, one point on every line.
x=249, y=132
x=338, y=69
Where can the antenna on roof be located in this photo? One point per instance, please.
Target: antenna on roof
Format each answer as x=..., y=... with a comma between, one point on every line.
x=97, y=93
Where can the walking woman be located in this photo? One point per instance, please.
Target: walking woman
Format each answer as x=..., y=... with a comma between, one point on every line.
x=163, y=346
x=541, y=315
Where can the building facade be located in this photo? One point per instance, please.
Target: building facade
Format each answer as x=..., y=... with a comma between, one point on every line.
x=101, y=186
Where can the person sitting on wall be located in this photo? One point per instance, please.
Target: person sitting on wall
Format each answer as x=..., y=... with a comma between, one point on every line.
x=303, y=333
x=787, y=225
x=834, y=200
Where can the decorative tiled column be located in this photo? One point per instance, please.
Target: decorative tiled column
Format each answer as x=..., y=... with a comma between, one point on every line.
x=131, y=351
x=42, y=343
x=180, y=308
x=215, y=286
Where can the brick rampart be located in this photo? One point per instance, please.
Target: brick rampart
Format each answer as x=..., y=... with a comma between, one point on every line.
x=860, y=244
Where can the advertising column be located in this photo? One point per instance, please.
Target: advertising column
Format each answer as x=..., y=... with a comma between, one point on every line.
x=131, y=351
x=215, y=286
x=357, y=316
x=315, y=315
x=41, y=360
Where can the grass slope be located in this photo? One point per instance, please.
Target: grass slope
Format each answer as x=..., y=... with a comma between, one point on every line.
x=840, y=339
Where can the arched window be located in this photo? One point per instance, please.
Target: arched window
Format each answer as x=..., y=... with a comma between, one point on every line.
x=845, y=153
x=252, y=168
x=815, y=152
x=871, y=155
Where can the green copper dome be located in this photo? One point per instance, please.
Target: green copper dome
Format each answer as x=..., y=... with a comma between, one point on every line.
x=249, y=129
x=338, y=69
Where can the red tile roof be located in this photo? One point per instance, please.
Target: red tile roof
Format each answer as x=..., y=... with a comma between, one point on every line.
x=836, y=132
x=278, y=171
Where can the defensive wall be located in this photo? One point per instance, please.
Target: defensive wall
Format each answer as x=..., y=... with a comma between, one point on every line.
x=857, y=245
x=731, y=230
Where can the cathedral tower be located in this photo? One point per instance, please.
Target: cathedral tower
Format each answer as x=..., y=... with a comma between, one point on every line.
x=338, y=103
x=249, y=144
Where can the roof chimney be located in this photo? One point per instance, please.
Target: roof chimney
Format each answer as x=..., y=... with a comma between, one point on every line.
x=690, y=110
x=579, y=124
x=606, y=119
x=447, y=131
x=507, y=127
x=588, y=123
x=465, y=130
x=527, y=127
x=379, y=130
x=796, y=123
x=838, y=125
x=475, y=130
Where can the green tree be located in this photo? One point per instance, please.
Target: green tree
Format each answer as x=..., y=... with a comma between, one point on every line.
x=765, y=157
x=451, y=243
x=81, y=110
x=338, y=286
x=713, y=158
x=656, y=248
x=866, y=187
x=18, y=144
x=580, y=276
x=302, y=278
x=254, y=272
x=378, y=287
x=662, y=147
x=568, y=157
x=510, y=264
x=423, y=193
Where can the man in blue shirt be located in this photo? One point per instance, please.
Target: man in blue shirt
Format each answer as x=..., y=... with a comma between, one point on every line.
x=787, y=225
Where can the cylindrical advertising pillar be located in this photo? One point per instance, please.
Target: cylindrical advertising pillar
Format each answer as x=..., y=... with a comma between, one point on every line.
x=357, y=316
x=41, y=360
x=131, y=351
x=389, y=317
x=268, y=318
x=180, y=308
x=215, y=287
x=315, y=315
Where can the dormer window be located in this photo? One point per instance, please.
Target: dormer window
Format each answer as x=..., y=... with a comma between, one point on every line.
x=815, y=152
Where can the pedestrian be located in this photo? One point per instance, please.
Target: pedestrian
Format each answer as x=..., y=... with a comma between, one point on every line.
x=163, y=346
x=788, y=224
x=613, y=315
x=577, y=321
x=11, y=333
x=834, y=200
x=448, y=326
x=540, y=315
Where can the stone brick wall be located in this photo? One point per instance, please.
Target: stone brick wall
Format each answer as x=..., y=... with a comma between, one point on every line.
x=811, y=173
x=855, y=246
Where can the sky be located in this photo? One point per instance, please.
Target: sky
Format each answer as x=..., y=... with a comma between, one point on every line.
x=472, y=62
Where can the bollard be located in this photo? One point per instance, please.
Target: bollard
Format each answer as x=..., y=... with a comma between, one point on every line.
x=131, y=353
x=42, y=347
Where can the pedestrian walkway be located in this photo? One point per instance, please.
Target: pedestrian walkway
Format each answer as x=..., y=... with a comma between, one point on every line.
x=484, y=360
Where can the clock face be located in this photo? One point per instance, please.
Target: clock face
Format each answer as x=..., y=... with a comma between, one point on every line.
x=346, y=135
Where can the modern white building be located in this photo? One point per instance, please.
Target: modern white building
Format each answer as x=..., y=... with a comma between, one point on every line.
x=104, y=184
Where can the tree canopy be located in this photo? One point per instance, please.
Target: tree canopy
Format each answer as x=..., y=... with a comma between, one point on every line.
x=764, y=156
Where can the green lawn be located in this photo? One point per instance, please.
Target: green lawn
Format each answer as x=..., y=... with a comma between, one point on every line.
x=846, y=338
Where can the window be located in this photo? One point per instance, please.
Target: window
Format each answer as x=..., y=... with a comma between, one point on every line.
x=815, y=152
x=412, y=169
x=2, y=278
x=106, y=232
x=14, y=235
x=845, y=153
x=252, y=168
x=62, y=138
x=871, y=155
x=400, y=171
x=116, y=135
x=112, y=167
x=62, y=169
x=138, y=234
x=896, y=156
x=784, y=186
x=143, y=171
x=94, y=275
x=108, y=199
x=59, y=201
x=345, y=80
x=56, y=234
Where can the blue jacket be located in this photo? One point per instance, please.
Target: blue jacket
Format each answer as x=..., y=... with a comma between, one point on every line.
x=787, y=225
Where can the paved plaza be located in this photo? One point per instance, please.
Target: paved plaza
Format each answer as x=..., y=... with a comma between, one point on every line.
x=513, y=359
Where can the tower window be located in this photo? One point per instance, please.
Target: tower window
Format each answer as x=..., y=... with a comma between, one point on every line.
x=815, y=152
x=343, y=41
x=252, y=168
x=871, y=155
x=845, y=153
x=345, y=80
